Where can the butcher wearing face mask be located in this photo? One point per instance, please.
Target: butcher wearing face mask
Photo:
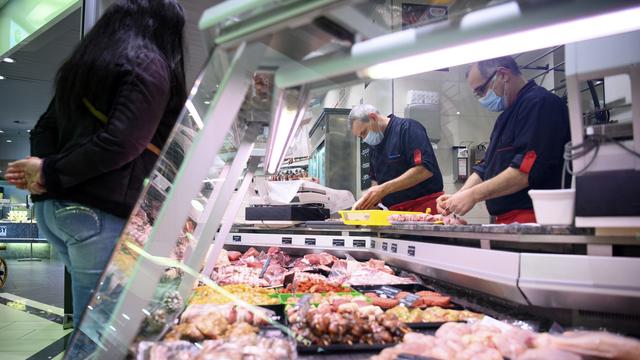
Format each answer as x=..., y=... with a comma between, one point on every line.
x=526, y=146
x=403, y=167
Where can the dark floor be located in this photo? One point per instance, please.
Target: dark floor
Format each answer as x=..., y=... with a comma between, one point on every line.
x=40, y=281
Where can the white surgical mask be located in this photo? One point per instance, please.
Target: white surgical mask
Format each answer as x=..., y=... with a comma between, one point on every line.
x=374, y=138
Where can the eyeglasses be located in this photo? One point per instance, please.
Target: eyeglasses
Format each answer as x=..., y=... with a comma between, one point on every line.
x=480, y=90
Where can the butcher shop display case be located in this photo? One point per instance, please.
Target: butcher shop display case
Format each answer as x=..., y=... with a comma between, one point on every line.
x=186, y=281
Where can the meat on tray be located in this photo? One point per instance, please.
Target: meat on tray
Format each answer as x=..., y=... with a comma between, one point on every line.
x=482, y=340
x=420, y=299
x=243, y=347
x=348, y=324
x=428, y=219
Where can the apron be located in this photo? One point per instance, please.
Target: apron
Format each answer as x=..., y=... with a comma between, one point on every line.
x=420, y=204
x=520, y=216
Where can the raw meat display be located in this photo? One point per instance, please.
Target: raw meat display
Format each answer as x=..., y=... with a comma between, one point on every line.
x=250, y=347
x=314, y=283
x=419, y=299
x=427, y=218
x=231, y=313
x=592, y=343
x=433, y=314
x=239, y=274
x=348, y=323
x=325, y=313
x=495, y=340
x=250, y=294
x=464, y=341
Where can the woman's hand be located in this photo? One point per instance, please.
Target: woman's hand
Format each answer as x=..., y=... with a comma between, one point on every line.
x=27, y=174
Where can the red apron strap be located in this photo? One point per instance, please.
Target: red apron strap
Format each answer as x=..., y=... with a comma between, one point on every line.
x=420, y=204
x=520, y=216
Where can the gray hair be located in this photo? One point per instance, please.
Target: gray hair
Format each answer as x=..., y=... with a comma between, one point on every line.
x=488, y=67
x=361, y=113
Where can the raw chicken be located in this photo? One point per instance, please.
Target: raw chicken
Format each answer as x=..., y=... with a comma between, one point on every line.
x=592, y=343
x=548, y=353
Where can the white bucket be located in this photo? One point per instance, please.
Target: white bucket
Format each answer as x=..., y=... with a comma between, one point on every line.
x=553, y=207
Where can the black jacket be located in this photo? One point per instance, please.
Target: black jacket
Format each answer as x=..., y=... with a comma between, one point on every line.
x=100, y=165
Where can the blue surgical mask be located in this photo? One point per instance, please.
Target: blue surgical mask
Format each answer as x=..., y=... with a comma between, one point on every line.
x=374, y=138
x=492, y=102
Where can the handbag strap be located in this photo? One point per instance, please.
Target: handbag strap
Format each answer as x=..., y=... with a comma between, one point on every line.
x=104, y=120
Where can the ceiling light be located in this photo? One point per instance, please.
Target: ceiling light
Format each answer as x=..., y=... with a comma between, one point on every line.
x=521, y=41
x=1, y=131
x=9, y=141
x=207, y=102
x=8, y=60
x=1, y=77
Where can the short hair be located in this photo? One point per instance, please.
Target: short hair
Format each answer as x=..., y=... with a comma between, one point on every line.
x=488, y=67
x=361, y=113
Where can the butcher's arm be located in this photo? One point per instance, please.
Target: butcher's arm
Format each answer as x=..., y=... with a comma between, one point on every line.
x=472, y=181
x=411, y=177
x=507, y=182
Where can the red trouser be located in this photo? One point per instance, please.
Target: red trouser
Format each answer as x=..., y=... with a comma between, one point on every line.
x=519, y=216
x=420, y=204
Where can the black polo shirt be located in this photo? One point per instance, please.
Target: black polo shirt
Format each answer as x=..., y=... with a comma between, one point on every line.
x=529, y=136
x=404, y=146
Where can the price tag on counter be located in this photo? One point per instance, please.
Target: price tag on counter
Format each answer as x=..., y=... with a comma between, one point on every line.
x=310, y=241
x=338, y=242
x=287, y=241
x=410, y=299
x=373, y=244
x=359, y=243
x=385, y=246
x=411, y=251
x=237, y=238
x=394, y=248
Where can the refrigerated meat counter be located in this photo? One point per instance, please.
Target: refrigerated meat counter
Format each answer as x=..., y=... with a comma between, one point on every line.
x=559, y=273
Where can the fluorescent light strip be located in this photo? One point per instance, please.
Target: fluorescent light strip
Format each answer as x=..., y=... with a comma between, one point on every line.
x=194, y=113
x=285, y=130
x=558, y=34
x=8, y=60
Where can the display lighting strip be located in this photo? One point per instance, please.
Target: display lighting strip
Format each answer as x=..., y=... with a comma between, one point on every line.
x=287, y=118
x=586, y=28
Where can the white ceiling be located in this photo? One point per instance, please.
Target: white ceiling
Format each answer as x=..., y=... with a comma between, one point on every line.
x=27, y=88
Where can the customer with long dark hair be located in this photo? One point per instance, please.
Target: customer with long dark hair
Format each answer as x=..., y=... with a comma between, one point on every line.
x=116, y=100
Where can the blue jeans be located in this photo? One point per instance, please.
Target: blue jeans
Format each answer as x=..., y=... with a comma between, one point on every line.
x=84, y=238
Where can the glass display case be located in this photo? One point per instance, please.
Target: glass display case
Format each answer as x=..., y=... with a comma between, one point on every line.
x=268, y=61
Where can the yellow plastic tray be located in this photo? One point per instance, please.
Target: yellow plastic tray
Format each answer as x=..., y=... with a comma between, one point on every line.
x=370, y=217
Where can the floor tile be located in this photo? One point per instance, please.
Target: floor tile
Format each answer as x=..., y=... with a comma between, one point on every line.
x=50, y=334
x=14, y=334
x=32, y=346
x=15, y=355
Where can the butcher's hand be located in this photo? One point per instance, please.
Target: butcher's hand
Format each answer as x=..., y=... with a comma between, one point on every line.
x=27, y=173
x=460, y=203
x=370, y=199
x=440, y=204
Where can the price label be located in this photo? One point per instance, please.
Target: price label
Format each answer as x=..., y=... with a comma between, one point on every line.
x=385, y=246
x=287, y=241
x=3, y=231
x=394, y=248
x=310, y=241
x=411, y=251
x=373, y=244
x=359, y=243
x=237, y=238
x=338, y=242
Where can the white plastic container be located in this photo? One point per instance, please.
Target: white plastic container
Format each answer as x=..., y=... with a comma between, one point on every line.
x=554, y=207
